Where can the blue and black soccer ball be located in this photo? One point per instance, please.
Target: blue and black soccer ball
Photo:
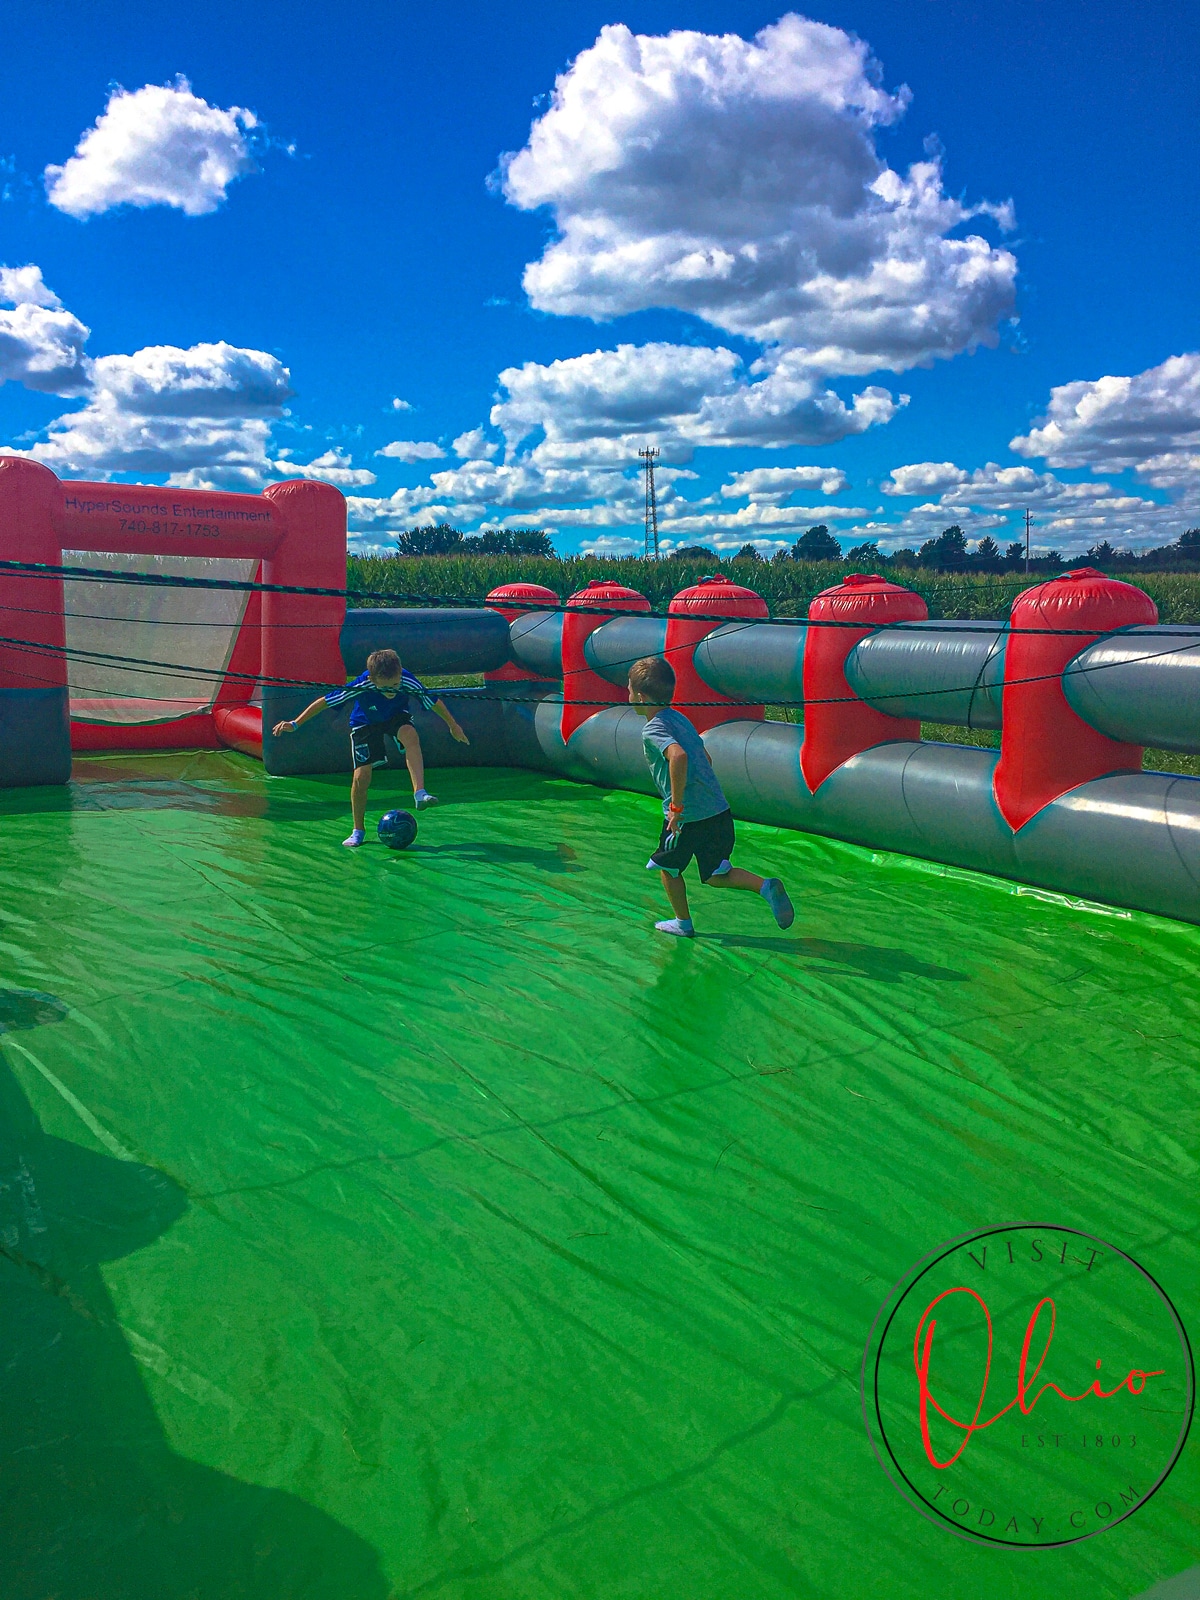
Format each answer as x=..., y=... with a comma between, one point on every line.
x=397, y=829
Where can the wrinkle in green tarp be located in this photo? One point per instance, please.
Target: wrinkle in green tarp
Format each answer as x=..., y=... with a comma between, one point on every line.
x=424, y=1224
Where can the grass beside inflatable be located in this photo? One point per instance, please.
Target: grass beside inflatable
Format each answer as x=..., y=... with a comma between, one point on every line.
x=393, y=1224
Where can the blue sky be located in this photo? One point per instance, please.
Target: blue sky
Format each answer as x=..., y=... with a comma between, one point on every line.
x=721, y=235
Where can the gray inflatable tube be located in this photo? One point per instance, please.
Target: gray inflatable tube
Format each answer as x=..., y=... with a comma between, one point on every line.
x=1130, y=838
x=1141, y=686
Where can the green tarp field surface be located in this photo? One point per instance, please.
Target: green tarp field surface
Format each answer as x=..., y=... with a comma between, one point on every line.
x=422, y=1224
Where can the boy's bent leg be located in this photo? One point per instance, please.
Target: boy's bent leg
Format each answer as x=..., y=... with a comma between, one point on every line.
x=771, y=889
x=409, y=741
x=734, y=878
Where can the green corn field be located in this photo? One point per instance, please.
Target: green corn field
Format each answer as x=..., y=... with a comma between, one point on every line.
x=787, y=586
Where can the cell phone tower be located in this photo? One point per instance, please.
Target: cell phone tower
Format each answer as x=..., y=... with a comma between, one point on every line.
x=648, y=458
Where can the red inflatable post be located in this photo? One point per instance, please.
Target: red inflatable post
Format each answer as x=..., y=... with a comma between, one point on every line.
x=691, y=616
x=35, y=739
x=1045, y=748
x=534, y=596
x=580, y=684
x=837, y=724
x=301, y=632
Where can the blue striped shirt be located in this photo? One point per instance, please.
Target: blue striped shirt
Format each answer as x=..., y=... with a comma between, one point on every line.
x=372, y=705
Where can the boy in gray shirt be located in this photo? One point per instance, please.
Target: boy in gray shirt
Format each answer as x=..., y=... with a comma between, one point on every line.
x=697, y=821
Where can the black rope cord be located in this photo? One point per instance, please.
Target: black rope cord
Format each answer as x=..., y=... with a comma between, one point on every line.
x=150, y=668
x=36, y=569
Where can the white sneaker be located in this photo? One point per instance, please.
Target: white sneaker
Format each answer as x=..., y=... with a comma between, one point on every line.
x=357, y=836
x=423, y=798
x=675, y=925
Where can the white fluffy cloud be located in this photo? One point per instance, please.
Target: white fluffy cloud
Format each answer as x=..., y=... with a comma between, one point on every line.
x=525, y=486
x=25, y=286
x=165, y=410
x=1015, y=488
x=411, y=450
x=334, y=466
x=612, y=545
x=249, y=475
x=574, y=428
x=227, y=475
x=202, y=417
x=769, y=484
x=474, y=445
x=924, y=477
x=209, y=380
x=612, y=395
x=755, y=518
x=1066, y=516
x=102, y=439
x=739, y=180
x=41, y=344
x=579, y=517
x=1150, y=423
x=606, y=405
x=157, y=146
x=369, y=515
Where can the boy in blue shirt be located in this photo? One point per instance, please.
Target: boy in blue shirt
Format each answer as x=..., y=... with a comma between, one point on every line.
x=380, y=712
x=697, y=821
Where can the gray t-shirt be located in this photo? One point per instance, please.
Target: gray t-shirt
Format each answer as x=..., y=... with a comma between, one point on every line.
x=702, y=795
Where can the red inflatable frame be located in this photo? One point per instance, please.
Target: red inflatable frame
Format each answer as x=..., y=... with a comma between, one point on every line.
x=296, y=531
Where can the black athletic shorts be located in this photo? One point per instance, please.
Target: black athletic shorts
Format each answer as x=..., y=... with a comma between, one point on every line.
x=368, y=744
x=709, y=842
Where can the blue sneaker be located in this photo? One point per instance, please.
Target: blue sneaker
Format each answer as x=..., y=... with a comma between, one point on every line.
x=357, y=837
x=776, y=897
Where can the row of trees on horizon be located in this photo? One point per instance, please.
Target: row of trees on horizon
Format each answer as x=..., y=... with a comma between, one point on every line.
x=947, y=552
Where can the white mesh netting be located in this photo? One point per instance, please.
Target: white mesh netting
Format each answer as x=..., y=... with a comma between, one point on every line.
x=195, y=628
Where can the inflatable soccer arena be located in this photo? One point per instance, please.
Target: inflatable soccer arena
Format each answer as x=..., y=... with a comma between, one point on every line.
x=421, y=1222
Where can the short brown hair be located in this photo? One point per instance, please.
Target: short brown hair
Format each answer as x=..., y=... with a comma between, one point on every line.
x=383, y=664
x=653, y=677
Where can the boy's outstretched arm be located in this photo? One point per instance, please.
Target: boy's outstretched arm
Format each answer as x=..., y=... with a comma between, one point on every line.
x=313, y=710
x=448, y=717
x=677, y=766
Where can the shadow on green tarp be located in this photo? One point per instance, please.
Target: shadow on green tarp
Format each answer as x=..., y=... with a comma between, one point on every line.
x=96, y=1505
x=868, y=960
x=526, y=1254
x=561, y=859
